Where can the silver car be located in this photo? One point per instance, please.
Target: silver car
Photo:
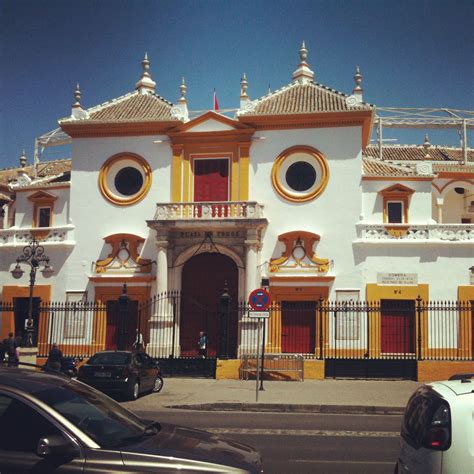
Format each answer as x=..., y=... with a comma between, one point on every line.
x=53, y=424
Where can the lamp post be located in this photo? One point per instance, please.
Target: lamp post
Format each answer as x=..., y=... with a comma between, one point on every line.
x=33, y=254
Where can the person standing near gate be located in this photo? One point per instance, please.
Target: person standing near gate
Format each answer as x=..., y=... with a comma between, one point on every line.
x=202, y=344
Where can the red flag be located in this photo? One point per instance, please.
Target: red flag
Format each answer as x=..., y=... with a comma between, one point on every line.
x=216, y=104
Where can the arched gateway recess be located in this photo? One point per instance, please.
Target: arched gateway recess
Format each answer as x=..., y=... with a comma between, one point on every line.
x=203, y=281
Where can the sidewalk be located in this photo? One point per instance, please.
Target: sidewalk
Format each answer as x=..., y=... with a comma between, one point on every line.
x=324, y=396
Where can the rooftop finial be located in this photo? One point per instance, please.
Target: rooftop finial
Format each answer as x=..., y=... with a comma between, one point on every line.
x=357, y=80
x=303, y=52
x=243, y=86
x=23, y=159
x=182, y=90
x=303, y=73
x=426, y=146
x=77, y=96
x=145, y=84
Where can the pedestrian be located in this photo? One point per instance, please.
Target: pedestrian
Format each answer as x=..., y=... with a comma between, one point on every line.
x=139, y=343
x=19, y=339
x=202, y=344
x=55, y=358
x=13, y=357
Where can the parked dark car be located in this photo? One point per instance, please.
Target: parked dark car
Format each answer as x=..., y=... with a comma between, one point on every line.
x=51, y=423
x=125, y=373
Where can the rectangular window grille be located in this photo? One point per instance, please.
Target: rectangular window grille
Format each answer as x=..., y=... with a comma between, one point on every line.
x=395, y=212
x=44, y=217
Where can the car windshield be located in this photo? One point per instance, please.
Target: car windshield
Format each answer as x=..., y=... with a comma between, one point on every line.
x=101, y=418
x=110, y=358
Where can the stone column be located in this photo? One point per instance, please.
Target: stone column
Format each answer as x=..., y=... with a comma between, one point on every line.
x=162, y=324
x=439, y=205
x=161, y=266
x=251, y=244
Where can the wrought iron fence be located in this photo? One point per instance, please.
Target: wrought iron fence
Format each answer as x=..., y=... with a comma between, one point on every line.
x=386, y=329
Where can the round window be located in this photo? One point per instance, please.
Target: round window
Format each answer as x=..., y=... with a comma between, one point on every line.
x=125, y=179
x=128, y=181
x=300, y=174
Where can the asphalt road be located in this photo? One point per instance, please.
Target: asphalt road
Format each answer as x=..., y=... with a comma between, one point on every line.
x=303, y=443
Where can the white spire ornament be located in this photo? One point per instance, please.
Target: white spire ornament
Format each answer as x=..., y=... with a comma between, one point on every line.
x=146, y=84
x=303, y=73
x=77, y=112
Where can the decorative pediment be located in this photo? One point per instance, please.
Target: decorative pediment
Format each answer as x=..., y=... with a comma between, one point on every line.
x=299, y=254
x=42, y=196
x=124, y=257
x=397, y=190
x=211, y=122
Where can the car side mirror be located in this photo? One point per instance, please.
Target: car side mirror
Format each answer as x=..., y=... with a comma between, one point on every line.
x=55, y=445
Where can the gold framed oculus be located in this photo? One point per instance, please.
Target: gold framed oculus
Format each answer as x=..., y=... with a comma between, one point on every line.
x=125, y=179
x=300, y=174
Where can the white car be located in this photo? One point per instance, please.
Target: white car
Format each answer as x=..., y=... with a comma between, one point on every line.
x=437, y=434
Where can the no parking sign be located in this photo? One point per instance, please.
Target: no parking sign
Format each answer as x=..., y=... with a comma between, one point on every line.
x=259, y=299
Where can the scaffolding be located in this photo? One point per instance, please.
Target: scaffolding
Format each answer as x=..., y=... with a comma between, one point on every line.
x=385, y=117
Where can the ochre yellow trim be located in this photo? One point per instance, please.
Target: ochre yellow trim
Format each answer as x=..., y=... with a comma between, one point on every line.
x=466, y=321
x=109, y=194
x=293, y=293
x=396, y=193
x=244, y=172
x=8, y=317
x=375, y=293
x=280, y=187
x=177, y=174
x=234, y=175
x=111, y=293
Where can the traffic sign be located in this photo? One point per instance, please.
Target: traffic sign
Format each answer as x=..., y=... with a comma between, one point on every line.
x=259, y=314
x=259, y=299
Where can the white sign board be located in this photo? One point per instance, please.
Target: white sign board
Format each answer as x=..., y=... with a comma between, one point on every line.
x=259, y=314
x=397, y=278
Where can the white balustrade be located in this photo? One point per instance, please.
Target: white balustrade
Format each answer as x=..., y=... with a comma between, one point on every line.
x=62, y=235
x=416, y=232
x=209, y=210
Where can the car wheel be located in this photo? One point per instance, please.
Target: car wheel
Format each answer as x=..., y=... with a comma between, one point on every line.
x=133, y=390
x=158, y=385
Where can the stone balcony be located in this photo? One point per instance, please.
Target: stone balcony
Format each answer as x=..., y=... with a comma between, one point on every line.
x=229, y=216
x=17, y=237
x=224, y=210
x=413, y=233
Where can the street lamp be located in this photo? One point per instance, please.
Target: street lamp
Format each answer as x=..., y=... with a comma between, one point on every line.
x=33, y=254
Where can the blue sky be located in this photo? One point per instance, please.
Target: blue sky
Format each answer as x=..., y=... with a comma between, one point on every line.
x=413, y=53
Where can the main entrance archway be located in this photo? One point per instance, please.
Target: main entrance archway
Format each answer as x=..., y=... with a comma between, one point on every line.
x=203, y=280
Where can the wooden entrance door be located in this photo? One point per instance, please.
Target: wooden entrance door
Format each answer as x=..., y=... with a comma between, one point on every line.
x=121, y=331
x=203, y=280
x=298, y=326
x=397, y=326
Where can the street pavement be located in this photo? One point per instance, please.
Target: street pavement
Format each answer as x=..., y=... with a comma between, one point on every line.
x=315, y=396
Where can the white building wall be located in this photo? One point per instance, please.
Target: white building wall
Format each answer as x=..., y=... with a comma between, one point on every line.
x=95, y=217
x=332, y=214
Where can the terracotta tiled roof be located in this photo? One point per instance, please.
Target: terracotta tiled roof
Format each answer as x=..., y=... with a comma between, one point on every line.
x=417, y=152
x=133, y=107
x=298, y=98
x=373, y=167
x=44, y=169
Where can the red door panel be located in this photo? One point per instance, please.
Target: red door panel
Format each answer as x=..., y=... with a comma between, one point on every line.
x=203, y=280
x=298, y=327
x=211, y=180
x=397, y=326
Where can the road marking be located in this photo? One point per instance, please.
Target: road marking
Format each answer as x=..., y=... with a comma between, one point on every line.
x=283, y=432
x=329, y=461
